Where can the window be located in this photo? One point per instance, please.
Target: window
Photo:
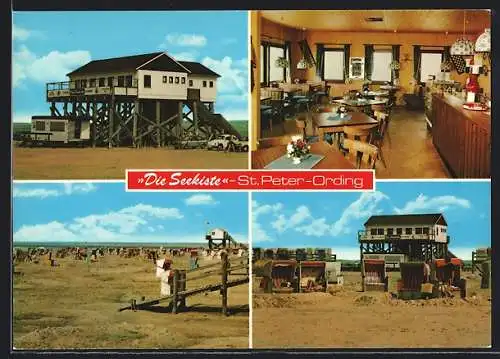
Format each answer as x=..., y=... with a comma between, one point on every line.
x=110, y=81
x=262, y=64
x=418, y=230
x=430, y=64
x=211, y=84
x=176, y=80
x=190, y=83
x=102, y=82
x=128, y=81
x=334, y=67
x=147, y=81
x=276, y=73
x=183, y=80
x=84, y=83
x=78, y=84
x=380, y=231
x=39, y=125
x=390, y=231
x=92, y=83
x=399, y=231
x=121, y=81
x=408, y=230
x=165, y=79
x=269, y=53
x=381, y=65
x=171, y=80
x=204, y=84
x=426, y=230
x=57, y=126
x=373, y=231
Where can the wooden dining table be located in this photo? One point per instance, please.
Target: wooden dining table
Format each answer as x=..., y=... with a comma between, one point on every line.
x=330, y=122
x=333, y=158
x=360, y=102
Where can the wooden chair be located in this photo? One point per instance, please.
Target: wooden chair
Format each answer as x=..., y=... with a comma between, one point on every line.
x=381, y=132
x=361, y=133
x=363, y=154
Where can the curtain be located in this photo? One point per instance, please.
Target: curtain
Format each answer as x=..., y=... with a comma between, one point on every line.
x=416, y=62
x=347, y=55
x=288, y=56
x=320, y=60
x=253, y=65
x=395, y=57
x=368, y=61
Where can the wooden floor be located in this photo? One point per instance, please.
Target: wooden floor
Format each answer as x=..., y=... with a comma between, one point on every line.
x=408, y=148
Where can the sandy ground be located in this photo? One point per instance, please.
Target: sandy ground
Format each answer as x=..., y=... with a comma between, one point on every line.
x=76, y=306
x=348, y=318
x=103, y=163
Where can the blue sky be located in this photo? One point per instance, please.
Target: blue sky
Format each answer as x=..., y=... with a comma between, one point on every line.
x=47, y=45
x=331, y=220
x=44, y=212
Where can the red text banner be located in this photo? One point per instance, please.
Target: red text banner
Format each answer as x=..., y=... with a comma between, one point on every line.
x=334, y=180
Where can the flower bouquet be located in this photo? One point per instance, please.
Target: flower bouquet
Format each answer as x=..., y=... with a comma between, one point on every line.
x=341, y=111
x=297, y=149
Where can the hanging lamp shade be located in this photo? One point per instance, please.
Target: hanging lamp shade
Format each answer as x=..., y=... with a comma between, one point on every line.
x=483, y=42
x=462, y=47
x=302, y=65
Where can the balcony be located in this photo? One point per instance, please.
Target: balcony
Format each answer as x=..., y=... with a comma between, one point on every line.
x=366, y=236
x=68, y=89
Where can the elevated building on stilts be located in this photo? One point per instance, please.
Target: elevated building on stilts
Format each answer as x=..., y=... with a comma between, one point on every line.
x=141, y=100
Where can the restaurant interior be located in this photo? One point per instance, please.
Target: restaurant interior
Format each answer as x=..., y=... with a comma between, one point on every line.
x=404, y=92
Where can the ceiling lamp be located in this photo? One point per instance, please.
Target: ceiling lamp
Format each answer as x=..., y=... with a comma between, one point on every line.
x=462, y=46
x=483, y=42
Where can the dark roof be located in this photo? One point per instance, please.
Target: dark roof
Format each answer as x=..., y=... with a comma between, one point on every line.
x=406, y=219
x=115, y=64
x=164, y=63
x=198, y=69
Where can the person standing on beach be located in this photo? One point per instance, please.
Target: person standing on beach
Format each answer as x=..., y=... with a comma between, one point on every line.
x=166, y=278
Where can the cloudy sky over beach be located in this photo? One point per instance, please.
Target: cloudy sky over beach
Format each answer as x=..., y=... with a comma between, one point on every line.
x=103, y=212
x=332, y=220
x=48, y=45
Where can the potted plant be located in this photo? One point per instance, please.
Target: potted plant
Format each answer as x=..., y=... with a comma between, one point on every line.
x=395, y=66
x=341, y=111
x=297, y=149
x=282, y=62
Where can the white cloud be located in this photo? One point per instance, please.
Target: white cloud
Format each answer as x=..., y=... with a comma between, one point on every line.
x=200, y=199
x=184, y=40
x=185, y=56
x=19, y=191
x=24, y=117
x=363, y=207
x=302, y=220
x=439, y=203
x=51, y=67
x=113, y=226
x=34, y=193
x=233, y=79
x=258, y=233
x=21, y=34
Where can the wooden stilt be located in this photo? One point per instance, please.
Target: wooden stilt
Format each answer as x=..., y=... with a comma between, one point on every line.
x=134, y=128
x=225, y=267
x=94, y=123
x=111, y=120
x=179, y=120
x=195, y=117
x=158, y=120
x=175, y=299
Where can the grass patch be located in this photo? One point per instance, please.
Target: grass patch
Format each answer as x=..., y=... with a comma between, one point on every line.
x=127, y=334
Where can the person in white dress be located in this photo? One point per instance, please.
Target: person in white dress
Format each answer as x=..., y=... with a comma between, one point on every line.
x=166, y=275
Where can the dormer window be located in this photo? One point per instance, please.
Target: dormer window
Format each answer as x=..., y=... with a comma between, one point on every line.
x=211, y=84
x=190, y=83
x=183, y=80
x=204, y=84
x=177, y=80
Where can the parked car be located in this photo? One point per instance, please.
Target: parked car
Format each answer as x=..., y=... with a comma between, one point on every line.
x=221, y=142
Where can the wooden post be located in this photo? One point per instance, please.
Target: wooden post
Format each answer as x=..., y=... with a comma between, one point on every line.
x=94, y=125
x=300, y=277
x=225, y=265
x=158, y=121
x=362, y=268
x=183, y=285
x=136, y=118
x=195, y=117
x=179, y=120
x=485, y=275
x=175, y=298
x=111, y=122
